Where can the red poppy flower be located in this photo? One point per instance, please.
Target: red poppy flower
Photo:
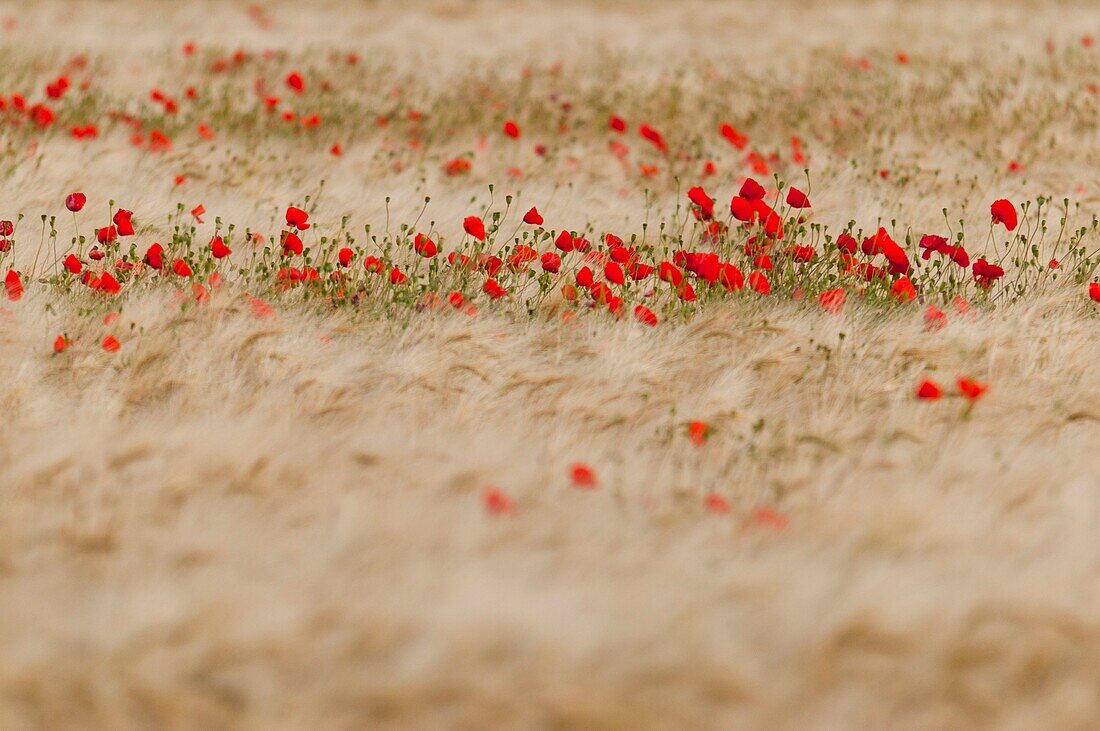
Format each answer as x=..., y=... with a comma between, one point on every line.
x=985, y=273
x=344, y=256
x=153, y=256
x=397, y=276
x=60, y=344
x=475, y=227
x=297, y=218
x=511, y=129
x=551, y=262
x=699, y=197
x=497, y=502
x=735, y=138
x=653, y=136
x=218, y=248
x=751, y=190
x=493, y=289
x=532, y=217
x=111, y=344
x=73, y=264
x=668, y=272
x=374, y=265
x=585, y=277
x=797, y=199
x=717, y=504
x=971, y=389
x=832, y=300
x=731, y=278
x=903, y=290
x=770, y=518
x=75, y=201
x=698, y=432
x=614, y=273
x=929, y=390
x=456, y=299
x=292, y=244
x=125, y=226
x=425, y=246
x=759, y=282
x=457, y=167
x=583, y=476
x=617, y=123
x=934, y=318
x=295, y=81
x=13, y=283
x=181, y=268
x=742, y=209
x=1004, y=213
x=645, y=315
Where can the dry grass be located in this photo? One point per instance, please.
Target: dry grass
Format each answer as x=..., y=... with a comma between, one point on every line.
x=250, y=523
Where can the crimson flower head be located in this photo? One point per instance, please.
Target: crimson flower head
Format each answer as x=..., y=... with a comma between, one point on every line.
x=617, y=123
x=295, y=81
x=742, y=209
x=511, y=129
x=218, y=248
x=985, y=273
x=14, y=285
x=645, y=315
x=344, y=256
x=551, y=262
x=106, y=235
x=425, y=246
x=698, y=432
x=1004, y=213
x=297, y=218
x=929, y=390
x=699, y=197
x=653, y=136
x=832, y=300
x=903, y=290
x=751, y=190
x=75, y=201
x=533, y=217
x=493, y=289
x=475, y=227
x=583, y=476
x=292, y=243
x=564, y=241
x=972, y=389
x=717, y=504
x=614, y=273
x=1094, y=291
x=154, y=256
x=735, y=138
x=797, y=199
x=181, y=268
x=497, y=502
x=123, y=222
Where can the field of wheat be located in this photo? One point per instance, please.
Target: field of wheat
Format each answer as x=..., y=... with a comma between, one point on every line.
x=609, y=364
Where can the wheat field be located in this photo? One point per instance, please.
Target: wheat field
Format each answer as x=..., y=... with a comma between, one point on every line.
x=332, y=504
